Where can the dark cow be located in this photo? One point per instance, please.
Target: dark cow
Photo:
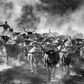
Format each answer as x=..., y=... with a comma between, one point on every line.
x=14, y=51
x=73, y=55
x=51, y=59
x=66, y=61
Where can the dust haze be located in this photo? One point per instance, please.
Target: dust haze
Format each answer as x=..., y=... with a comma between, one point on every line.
x=61, y=16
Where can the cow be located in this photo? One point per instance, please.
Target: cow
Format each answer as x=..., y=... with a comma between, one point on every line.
x=73, y=55
x=14, y=49
x=29, y=32
x=51, y=59
x=35, y=56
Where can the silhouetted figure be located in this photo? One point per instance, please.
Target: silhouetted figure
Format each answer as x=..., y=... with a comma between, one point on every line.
x=5, y=27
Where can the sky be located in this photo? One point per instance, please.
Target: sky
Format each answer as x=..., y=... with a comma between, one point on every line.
x=61, y=16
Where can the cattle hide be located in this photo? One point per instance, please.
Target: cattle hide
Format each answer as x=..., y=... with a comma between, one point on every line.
x=13, y=50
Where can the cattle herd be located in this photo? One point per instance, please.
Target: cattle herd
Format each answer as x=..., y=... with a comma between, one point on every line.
x=41, y=49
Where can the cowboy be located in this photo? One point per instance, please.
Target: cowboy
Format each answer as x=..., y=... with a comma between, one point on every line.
x=5, y=27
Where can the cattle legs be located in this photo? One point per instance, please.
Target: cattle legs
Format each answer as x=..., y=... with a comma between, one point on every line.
x=7, y=60
x=65, y=68
x=51, y=71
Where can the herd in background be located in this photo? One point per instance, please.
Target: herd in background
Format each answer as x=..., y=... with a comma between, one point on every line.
x=42, y=49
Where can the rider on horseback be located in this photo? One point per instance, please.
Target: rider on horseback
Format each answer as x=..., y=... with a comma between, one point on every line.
x=5, y=27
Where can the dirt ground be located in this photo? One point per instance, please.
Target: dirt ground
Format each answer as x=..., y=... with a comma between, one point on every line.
x=22, y=75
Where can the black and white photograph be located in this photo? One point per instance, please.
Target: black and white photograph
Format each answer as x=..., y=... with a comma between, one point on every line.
x=41, y=41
